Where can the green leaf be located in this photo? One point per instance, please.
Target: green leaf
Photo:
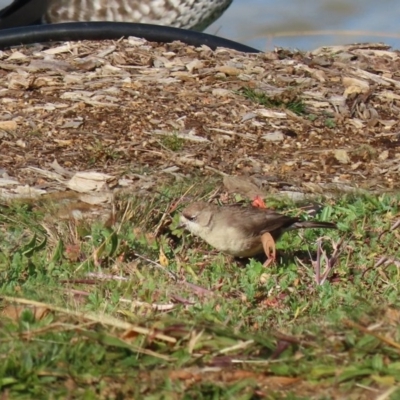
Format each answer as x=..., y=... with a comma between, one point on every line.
x=7, y=381
x=114, y=243
x=326, y=213
x=27, y=250
x=31, y=248
x=58, y=252
x=377, y=362
x=354, y=372
x=322, y=371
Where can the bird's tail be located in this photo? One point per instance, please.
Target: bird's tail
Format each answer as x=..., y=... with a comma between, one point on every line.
x=313, y=224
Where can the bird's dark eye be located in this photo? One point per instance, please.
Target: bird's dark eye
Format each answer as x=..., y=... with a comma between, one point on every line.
x=191, y=217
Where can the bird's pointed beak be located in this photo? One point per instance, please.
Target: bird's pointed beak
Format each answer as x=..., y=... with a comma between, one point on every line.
x=181, y=225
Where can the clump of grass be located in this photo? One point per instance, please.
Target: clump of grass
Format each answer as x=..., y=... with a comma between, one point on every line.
x=173, y=142
x=297, y=105
x=115, y=312
x=103, y=152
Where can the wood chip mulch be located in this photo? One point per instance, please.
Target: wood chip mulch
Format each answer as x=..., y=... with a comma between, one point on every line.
x=140, y=114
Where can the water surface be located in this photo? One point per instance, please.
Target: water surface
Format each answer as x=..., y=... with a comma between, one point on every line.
x=255, y=22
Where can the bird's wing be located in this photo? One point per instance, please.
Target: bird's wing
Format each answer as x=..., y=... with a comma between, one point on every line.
x=256, y=221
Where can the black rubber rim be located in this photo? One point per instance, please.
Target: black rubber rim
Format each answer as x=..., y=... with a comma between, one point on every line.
x=75, y=31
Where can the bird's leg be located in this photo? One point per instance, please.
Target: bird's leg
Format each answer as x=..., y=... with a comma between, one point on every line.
x=268, y=243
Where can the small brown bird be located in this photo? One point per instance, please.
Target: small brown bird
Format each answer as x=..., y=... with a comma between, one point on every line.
x=242, y=231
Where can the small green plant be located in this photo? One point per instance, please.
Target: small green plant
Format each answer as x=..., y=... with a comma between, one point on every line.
x=330, y=123
x=172, y=142
x=312, y=117
x=297, y=106
x=102, y=152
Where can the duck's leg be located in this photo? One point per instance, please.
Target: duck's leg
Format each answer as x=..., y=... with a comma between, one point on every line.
x=269, y=247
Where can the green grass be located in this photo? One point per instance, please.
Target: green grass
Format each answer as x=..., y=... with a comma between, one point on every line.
x=112, y=312
x=172, y=142
x=101, y=151
x=288, y=100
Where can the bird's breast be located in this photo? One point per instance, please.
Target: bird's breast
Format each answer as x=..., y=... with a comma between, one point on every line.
x=231, y=241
